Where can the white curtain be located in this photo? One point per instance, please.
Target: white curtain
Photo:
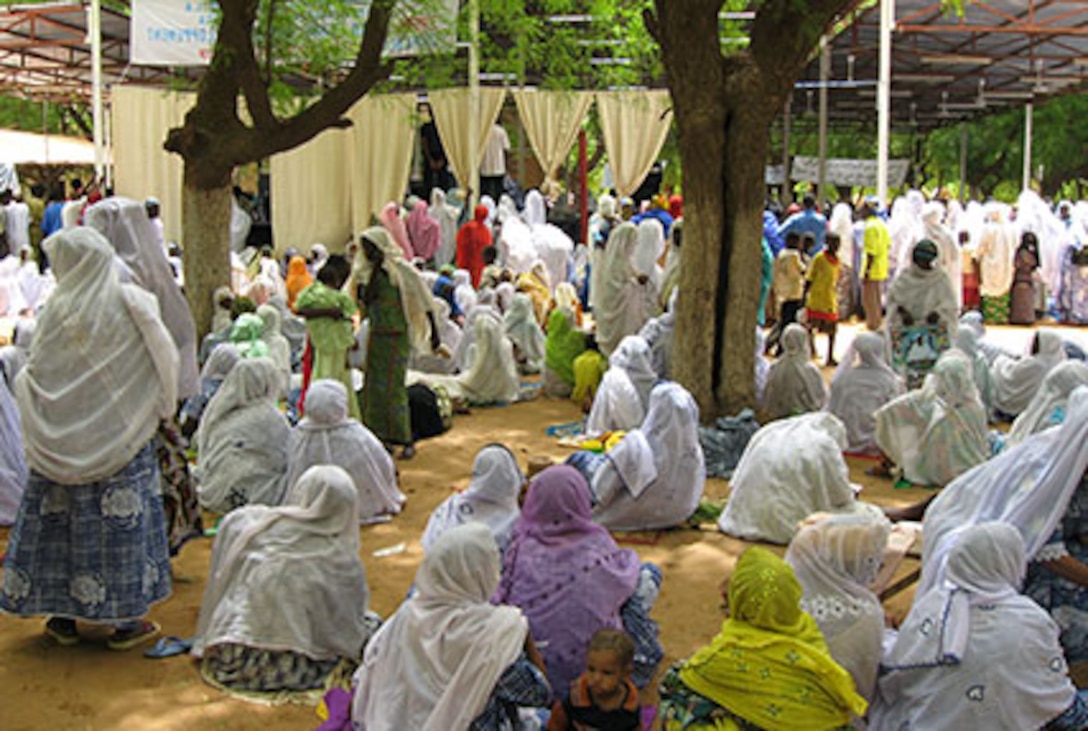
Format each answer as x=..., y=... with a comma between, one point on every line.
x=450, y=107
x=552, y=120
x=140, y=119
x=382, y=136
x=311, y=193
x=635, y=124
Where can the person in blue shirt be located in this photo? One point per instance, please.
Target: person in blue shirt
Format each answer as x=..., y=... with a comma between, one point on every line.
x=446, y=288
x=808, y=221
x=656, y=211
x=770, y=233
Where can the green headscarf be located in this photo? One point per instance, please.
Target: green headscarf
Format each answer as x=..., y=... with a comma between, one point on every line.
x=565, y=343
x=246, y=336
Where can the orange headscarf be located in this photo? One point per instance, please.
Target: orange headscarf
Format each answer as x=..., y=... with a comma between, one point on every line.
x=298, y=279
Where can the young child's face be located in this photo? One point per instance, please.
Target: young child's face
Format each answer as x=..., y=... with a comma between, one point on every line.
x=605, y=674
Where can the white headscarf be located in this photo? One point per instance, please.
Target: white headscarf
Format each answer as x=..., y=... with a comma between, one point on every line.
x=242, y=440
x=655, y=476
x=556, y=250
x=521, y=327
x=290, y=578
x=1029, y=485
x=624, y=392
x=435, y=663
x=126, y=226
x=102, y=372
x=763, y=366
x=536, y=212
x=449, y=332
x=996, y=249
x=842, y=224
x=967, y=342
x=939, y=431
x=516, y=244
x=415, y=298
x=1047, y=407
x=328, y=436
x=13, y=470
x=447, y=216
x=862, y=384
x=658, y=332
x=947, y=247
x=973, y=652
x=623, y=304
x=790, y=469
x=921, y=292
x=279, y=349
x=836, y=560
x=491, y=498
x=1017, y=379
x=13, y=357
x=794, y=385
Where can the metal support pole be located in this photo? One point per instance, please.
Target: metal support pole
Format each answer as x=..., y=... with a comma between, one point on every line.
x=94, y=29
x=884, y=99
x=474, y=102
x=825, y=76
x=1029, y=123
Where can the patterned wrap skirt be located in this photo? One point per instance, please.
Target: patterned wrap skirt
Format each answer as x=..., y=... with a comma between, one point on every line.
x=96, y=552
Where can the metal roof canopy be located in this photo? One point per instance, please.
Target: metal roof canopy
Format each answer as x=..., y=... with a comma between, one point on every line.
x=946, y=68
x=45, y=53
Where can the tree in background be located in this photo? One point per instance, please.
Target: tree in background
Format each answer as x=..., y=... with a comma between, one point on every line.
x=725, y=105
x=995, y=152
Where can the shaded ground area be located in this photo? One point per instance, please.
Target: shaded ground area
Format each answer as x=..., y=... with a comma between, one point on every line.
x=87, y=687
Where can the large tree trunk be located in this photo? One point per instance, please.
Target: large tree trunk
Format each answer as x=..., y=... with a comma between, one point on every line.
x=695, y=85
x=724, y=109
x=205, y=219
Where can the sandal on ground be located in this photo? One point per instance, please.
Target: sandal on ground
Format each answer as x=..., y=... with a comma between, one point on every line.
x=126, y=639
x=169, y=647
x=408, y=452
x=63, y=631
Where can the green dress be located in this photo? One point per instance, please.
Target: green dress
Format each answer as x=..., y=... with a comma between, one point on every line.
x=384, y=399
x=330, y=339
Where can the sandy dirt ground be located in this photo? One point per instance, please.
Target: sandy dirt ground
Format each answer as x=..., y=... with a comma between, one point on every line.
x=88, y=687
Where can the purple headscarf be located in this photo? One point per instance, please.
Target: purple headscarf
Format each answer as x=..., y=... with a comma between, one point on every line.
x=565, y=572
x=424, y=231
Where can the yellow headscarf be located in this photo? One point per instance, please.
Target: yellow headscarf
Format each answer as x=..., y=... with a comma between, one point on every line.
x=770, y=664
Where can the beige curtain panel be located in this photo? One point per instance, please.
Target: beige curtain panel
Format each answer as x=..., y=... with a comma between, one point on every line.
x=450, y=108
x=635, y=124
x=311, y=193
x=382, y=135
x=140, y=118
x=552, y=120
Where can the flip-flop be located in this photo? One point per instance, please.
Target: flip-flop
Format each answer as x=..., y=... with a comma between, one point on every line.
x=127, y=641
x=169, y=647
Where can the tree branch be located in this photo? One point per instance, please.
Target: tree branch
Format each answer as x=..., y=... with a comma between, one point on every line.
x=367, y=70
x=784, y=33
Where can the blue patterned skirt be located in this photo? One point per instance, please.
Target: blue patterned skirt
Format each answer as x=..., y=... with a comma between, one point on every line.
x=95, y=552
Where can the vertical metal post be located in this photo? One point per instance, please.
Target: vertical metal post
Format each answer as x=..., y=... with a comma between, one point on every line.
x=884, y=98
x=474, y=102
x=94, y=28
x=825, y=76
x=1029, y=123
